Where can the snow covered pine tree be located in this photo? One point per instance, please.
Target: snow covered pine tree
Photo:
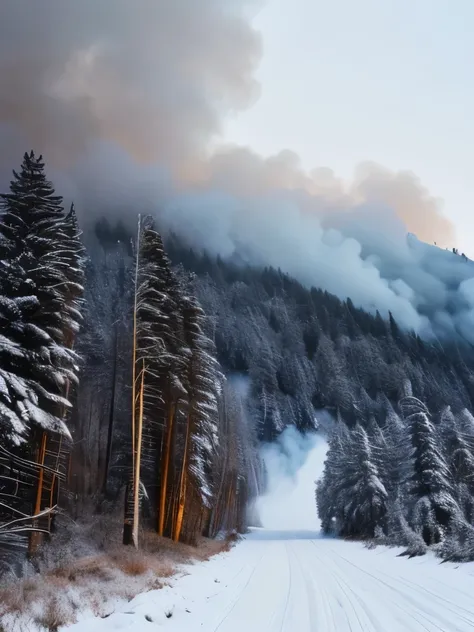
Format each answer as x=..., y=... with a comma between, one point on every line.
x=40, y=250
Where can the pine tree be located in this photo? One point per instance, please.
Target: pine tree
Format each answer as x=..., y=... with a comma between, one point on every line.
x=365, y=497
x=46, y=246
x=158, y=368
x=33, y=222
x=28, y=381
x=396, y=466
x=432, y=495
x=351, y=498
x=31, y=227
x=147, y=347
x=71, y=259
x=161, y=347
x=203, y=387
x=329, y=503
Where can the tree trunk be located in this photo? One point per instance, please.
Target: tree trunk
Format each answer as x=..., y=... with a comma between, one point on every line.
x=134, y=351
x=138, y=454
x=35, y=537
x=110, y=432
x=182, y=483
x=135, y=484
x=165, y=468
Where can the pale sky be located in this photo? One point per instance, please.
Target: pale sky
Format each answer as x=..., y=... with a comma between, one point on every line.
x=344, y=81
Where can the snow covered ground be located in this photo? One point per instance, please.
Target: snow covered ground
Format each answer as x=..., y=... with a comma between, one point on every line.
x=290, y=581
x=284, y=579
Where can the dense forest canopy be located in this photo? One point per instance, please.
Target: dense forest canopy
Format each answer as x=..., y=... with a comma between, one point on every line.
x=110, y=389
x=400, y=463
x=304, y=349
x=119, y=353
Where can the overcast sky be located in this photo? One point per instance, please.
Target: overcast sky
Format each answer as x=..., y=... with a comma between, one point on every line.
x=344, y=81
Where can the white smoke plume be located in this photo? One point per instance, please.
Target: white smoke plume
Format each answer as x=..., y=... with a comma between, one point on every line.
x=126, y=101
x=292, y=463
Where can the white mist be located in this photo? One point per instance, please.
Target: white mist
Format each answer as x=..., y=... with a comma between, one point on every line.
x=293, y=464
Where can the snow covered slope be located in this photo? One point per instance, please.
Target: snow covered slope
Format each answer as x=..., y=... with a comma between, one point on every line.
x=295, y=581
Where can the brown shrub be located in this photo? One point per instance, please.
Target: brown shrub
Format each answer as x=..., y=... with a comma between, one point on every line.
x=90, y=567
x=134, y=567
x=96, y=566
x=11, y=600
x=52, y=617
x=208, y=548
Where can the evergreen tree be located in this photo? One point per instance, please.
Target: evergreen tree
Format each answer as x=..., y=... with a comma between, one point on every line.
x=203, y=386
x=71, y=259
x=365, y=497
x=33, y=225
x=432, y=495
x=155, y=340
x=329, y=503
x=33, y=275
x=28, y=381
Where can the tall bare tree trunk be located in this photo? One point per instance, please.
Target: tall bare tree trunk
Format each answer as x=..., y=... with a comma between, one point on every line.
x=182, y=483
x=134, y=352
x=136, y=478
x=165, y=468
x=36, y=537
x=110, y=430
x=129, y=529
x=215, y=513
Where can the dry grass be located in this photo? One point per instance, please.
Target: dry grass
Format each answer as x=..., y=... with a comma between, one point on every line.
x=52, y=617
x=183, y=553
x=90, y=567
x=70, y=580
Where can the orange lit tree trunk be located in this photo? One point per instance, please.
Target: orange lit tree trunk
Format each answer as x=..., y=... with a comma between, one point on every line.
x=166, y=466
x=183, y=482
x=36, y=537
x=129, y=517
x=137, y=461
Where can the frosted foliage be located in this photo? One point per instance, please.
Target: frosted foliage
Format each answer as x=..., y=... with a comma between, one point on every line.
x=40, y=276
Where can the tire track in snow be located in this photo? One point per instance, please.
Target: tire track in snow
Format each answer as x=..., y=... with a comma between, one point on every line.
x=310, y=594
x=419, y=609
x=330, y=614
x=272, y=623
x=402, y=621
x=290, y=582
x=350, y=596
x=236, y=600
x=392, y=593
x=372, y=623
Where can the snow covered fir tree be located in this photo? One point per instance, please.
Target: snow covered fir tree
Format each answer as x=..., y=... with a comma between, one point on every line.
x=109, y=388
x=400, y=464
x=138, y=377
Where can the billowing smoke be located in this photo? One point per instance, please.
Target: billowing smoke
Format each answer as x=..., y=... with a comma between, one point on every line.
x=347, y=240
x=292, y=463
x=153, y=77
x=126, y=100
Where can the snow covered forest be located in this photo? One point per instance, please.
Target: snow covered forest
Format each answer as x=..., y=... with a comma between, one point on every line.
x=139, y=376
x=400, y=466
x=110, y=392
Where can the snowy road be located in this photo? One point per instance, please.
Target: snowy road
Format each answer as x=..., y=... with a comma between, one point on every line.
x=299, y=582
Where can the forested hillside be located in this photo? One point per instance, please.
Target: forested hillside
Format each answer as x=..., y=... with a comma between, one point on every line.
x=401, y=458
x=304, y=349
x=110, y=390
x=130, y=379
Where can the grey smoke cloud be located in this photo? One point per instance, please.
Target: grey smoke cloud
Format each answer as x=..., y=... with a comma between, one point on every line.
x=353, y=248
x=155, y=77
x=126, y=98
